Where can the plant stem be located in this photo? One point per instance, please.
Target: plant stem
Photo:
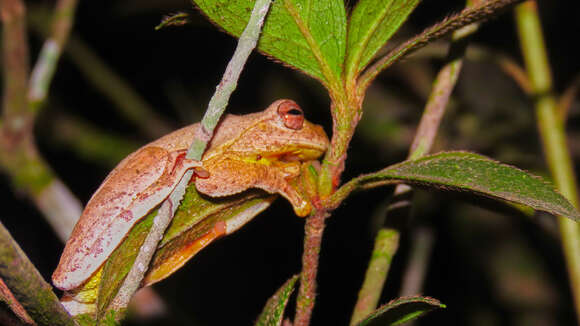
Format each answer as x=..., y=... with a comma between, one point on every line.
x=552, y=133
x=246, y=44
x=437, y=102
x=313, y=230
x=45, y=67
x=7, y=299
x=415, y=270
x=386, y=245
x=219, y=100
x=423, y=141
x=27, y=285
x=15, y=64
x=19, y=157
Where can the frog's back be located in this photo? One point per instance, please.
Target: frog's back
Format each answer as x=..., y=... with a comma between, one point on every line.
x=228, y=129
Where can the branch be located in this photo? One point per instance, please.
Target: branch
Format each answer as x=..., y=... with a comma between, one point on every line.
x=27, y=284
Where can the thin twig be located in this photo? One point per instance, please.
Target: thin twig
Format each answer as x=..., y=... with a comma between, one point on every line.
x=7, y=298
x=567, y=98
x=246, y=44
x=416, y=268
x=43, y=72
x=27, y=284
x=553, y=135
x=220, y=98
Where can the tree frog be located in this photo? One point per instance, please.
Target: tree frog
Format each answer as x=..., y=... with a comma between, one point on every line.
x=260, y=150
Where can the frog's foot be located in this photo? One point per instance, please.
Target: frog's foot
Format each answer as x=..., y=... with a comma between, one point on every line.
x=74, y=307
x=82, y=300
x=302, y=207
x=200, y=172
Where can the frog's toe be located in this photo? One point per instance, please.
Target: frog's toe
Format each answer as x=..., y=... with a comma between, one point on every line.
x=200, y=172
x=303, y=208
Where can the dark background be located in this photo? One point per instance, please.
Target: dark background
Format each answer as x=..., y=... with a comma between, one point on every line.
x=488, y=266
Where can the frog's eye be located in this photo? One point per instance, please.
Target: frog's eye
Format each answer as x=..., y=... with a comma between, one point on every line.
x=291, y=114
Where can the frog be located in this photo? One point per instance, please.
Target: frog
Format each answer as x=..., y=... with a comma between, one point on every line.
x=261, y=150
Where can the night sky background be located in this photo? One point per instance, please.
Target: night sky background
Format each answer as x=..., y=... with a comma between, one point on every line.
x=487, y=264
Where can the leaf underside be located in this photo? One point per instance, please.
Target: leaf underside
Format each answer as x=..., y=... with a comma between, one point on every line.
x=273, y=313
x=305, y=34
x=195, y=215
x=401, y=310
x=470, y=172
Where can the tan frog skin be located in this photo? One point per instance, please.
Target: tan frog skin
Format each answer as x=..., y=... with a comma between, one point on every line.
x=260, y=150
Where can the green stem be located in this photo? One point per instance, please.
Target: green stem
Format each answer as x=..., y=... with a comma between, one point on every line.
x=27, y=284
x=552, y=133
x=246, y=44
x=423, y=141
x=386, y=245
x=219, y=100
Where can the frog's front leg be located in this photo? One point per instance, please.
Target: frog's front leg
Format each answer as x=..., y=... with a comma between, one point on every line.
x=160, y=189
x=230, y=176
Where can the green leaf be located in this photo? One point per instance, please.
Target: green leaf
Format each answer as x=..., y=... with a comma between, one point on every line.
x=463, y=171
x=309, y=35
x=195, y=216
x=273, y=313
x=401, y=310
x=371, y=25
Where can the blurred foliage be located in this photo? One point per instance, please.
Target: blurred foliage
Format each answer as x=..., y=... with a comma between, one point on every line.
x=489, y=266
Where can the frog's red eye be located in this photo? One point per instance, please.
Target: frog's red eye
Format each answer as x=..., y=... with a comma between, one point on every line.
x=291, y=114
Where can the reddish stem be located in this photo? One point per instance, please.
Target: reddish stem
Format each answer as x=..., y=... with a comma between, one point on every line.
x=313, y=230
